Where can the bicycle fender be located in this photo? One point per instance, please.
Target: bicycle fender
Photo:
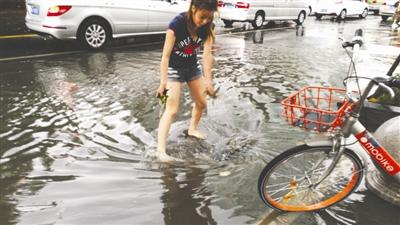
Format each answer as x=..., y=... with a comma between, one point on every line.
x=326, y=141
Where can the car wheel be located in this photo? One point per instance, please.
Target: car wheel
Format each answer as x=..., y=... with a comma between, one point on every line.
x=342, y=15
x=318, y=16
x=94, y=34
x=376, y=12
x=364, y=13
x=384, y=18
x=300, y=18
x=258, y=20
x=228, y=23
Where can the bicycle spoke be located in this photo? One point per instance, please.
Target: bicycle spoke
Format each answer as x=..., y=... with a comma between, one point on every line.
x=285, y=188
x=286, y=176
x=289, y=184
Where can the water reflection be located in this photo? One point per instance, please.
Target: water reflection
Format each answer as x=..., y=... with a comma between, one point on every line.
x=258, y=37
x=23, y=137
x=300, y=29
x=394, y=38
x=341, y=213
x=185, y=199
x=55, y=83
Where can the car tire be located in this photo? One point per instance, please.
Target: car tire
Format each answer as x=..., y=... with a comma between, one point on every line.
x=342, y=15
x=228, y=23
x=376, y=12
x=300, y=18
x=94, y=34
x=258, y=21
x=318, y=16
x=384, y=18
x=364, y=14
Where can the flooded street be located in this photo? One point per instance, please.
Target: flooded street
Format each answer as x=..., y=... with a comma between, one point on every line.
x=77, y=131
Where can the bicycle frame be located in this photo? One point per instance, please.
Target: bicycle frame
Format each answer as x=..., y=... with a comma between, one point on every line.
x=352, y=126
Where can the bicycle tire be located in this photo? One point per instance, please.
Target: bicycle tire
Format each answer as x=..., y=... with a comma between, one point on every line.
x=336, y=189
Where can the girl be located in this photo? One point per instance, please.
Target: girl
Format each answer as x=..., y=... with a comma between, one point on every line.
x=179, y=63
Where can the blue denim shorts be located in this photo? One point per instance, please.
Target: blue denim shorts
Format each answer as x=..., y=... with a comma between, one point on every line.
x=184, y=74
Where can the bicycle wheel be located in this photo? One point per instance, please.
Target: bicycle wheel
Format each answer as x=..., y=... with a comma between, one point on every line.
x=286, y=183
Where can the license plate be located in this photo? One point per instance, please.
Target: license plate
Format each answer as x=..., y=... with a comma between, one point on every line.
x=35, y=10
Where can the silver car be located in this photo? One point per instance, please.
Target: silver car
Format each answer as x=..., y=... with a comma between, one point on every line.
x=95, y=22
x=388, y=9
x=259, y=11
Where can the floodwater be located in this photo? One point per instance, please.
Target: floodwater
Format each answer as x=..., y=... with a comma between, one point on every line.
x=78, y=131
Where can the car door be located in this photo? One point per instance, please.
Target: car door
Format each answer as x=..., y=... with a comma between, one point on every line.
x=161, y=12
x=358, y=7
x=281, y=9
x=128, y=16
x=353, y=7
x=296, y=6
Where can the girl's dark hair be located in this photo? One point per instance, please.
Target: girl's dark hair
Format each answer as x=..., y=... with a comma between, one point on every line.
x=210, y=5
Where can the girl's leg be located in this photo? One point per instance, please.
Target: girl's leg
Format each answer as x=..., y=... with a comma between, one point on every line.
x=198, y=91
x=171, y=109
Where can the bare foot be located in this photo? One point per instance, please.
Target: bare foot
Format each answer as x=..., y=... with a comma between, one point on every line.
x=196, y=134
x=163, y=157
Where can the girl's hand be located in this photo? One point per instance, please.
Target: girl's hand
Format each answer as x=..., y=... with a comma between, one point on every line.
x=162, y=94
x=161, y=90
x=210, y=89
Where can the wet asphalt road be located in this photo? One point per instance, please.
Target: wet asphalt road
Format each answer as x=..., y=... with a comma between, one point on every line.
x=76, y=126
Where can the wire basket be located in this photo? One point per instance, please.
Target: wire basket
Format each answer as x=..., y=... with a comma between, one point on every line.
x=315, y=108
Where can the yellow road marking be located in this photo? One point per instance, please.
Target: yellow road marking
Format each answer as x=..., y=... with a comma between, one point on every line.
x=18, y=36
x=37, y=56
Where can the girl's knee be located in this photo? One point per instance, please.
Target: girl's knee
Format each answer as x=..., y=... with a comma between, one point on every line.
x=171, y=112
x=201, y=104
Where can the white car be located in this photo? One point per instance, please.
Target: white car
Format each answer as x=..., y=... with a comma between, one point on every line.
x=95, y=22
x=341, y=8
x=388, y=8
x=259, y=11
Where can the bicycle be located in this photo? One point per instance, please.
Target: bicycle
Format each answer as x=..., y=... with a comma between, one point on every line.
x=320, y=173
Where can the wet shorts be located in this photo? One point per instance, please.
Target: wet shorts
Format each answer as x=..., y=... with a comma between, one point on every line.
x=184, y=74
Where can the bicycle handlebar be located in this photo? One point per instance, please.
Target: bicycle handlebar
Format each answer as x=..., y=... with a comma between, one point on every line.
x=355, y=44
x=387, y=88
x=379, y=81
x=357, y=39
x=359, y=33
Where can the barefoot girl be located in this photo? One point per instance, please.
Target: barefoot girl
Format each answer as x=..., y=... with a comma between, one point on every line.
x=179, y=64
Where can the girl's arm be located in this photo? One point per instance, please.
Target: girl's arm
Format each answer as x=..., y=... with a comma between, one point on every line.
x=168, y=45
x=208, y=61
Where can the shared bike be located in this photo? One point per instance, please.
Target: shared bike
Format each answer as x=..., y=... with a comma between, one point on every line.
x=320, y=173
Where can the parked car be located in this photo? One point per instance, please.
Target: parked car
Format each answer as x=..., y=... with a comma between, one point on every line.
x=341, y=8
x=95, y=22
x=388, y=8
x=259, y=11
x=374, y=5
